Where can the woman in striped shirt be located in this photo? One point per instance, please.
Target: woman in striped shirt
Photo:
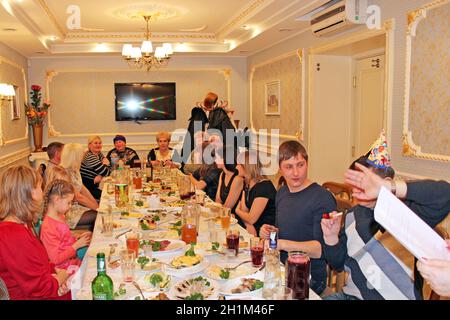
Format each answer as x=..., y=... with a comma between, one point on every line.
x=94, y=167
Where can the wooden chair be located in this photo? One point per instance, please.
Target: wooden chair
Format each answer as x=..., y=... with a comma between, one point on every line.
x=444, y=234
x=339, y=190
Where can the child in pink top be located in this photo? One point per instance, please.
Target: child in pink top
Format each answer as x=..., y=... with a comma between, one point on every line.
x=55, y=233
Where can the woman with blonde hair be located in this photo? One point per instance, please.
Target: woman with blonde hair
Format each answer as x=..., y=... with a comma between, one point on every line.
x=162, y=155
x=71, y=158
x=257, y=205
x=24, y=263
x=94, y=166
x=81, y=217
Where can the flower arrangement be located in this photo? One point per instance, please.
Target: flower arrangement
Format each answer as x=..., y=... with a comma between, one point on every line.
x=34, y=111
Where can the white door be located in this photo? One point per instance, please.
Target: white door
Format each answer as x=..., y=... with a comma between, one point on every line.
x=369, y=103
x=330, y=118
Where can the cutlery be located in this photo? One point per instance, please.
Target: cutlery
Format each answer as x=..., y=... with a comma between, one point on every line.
x=139, y=288
x=261, y=268
x=121, y=234
x=237, y=266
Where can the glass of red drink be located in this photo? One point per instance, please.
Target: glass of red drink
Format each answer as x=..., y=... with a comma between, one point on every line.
x=133, y=243
x=298, y=269
x=257, y=251
x=233, y=240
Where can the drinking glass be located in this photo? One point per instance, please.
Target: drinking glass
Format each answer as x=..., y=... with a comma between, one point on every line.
x=108, y=225
x=298, y=270
x=133, y=242
x=137, y=179
x=233, y=240
x=127, y=264
x=257, y=251
x=283, y=293
x=225, y=218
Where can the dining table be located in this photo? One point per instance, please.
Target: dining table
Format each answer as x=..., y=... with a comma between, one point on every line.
x=160, y=197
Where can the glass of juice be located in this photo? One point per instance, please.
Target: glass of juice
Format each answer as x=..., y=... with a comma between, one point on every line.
x=257, y=251
x=233, y=240
x=133, y=242
x=298, y=269
x=225, y=218
x=121, y=195
x=189, y=233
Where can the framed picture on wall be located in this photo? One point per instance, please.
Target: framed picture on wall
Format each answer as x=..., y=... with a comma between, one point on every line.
x=273, y=98
x=15, y=110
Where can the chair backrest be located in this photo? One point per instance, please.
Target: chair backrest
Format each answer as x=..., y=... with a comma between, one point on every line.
x=4, y=295
x=343, y=205
x=339, y=190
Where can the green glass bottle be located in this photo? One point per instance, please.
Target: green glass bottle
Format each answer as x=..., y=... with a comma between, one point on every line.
x=102, y=285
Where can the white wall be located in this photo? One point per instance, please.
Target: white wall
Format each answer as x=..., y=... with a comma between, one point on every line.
x=397, y=10
x=116, y=66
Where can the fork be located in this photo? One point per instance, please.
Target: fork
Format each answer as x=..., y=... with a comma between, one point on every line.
x=237, y=266
x=139, y=288
x=121, y=234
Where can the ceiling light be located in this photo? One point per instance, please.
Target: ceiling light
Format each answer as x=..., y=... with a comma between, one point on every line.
x=142, y=57
x=52, y=38
x=9, y=29
x=245, y=27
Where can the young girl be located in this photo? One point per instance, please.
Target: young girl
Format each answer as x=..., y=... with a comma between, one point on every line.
x=24, y=263
x=55, y=232
x=80, y=218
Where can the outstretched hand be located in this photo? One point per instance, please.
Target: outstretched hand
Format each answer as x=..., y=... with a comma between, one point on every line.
x=366, y=184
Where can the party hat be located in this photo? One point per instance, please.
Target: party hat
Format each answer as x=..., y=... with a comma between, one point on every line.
x=379, y=156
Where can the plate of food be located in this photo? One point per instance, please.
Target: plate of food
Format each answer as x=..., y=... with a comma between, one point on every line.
x=188, y=263
x=249, y=286
x=219, y=272
x=163, y=234
x=198, y=288
x=152, y=296
x=162, y=246
x=106, y=249
x=121, y=225
x=208, y=248
x=148, y=264
x=157, y=281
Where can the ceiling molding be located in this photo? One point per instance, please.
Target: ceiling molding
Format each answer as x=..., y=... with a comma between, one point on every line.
x=51, y=16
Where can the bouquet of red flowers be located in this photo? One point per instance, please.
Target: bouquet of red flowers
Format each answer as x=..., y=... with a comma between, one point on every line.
x=34, y=111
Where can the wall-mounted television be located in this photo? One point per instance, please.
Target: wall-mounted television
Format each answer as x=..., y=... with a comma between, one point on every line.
x=145, y=101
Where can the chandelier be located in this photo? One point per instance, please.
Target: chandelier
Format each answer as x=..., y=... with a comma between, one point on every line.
x=142, y=57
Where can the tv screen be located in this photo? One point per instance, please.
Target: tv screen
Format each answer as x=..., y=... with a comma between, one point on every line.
x=145, y=101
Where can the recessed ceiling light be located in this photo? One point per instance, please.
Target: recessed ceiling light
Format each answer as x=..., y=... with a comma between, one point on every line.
x=284, y=29
x=245, y=27
x=39, y=52
x=9, y=29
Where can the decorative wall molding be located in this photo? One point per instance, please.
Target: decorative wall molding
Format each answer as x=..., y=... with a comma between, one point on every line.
x=299, y=133
x=14, y=157
x=410, y=148
x=50, y=74
x=3, y=141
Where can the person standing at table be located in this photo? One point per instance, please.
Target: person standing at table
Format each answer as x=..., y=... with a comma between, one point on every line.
x=162, y=155
x=300, y=204
x=121, y=152
x=24, y=263
x=94, y=166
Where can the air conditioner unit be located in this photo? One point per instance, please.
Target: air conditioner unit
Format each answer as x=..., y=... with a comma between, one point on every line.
x=338, y=15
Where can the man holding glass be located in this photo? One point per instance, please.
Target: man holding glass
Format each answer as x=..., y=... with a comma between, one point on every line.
x=300, y=204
